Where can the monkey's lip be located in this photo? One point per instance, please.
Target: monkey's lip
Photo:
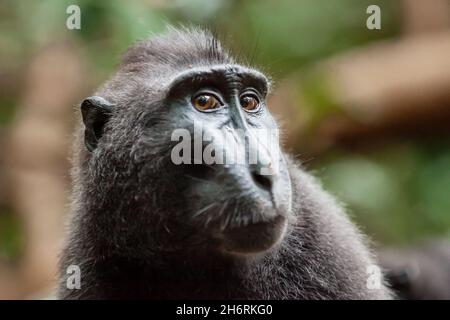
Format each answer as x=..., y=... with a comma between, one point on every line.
x=254, y=238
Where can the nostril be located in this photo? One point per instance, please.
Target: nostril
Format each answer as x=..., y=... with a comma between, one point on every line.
x=202, y=171
x=264, y=182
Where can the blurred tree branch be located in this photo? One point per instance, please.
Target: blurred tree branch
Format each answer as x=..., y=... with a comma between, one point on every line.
x=36, y=156
x=393, y=86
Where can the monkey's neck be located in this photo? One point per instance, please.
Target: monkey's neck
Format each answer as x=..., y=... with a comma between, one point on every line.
x=173, y=277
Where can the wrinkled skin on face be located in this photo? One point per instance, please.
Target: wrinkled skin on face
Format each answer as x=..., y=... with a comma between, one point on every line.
x=232, y=203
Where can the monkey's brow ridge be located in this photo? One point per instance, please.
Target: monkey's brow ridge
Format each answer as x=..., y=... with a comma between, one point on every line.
x=206, y=72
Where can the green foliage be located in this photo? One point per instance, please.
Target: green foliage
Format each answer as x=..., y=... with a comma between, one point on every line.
x=11, y=235
x=399, y=193
x=292, y=33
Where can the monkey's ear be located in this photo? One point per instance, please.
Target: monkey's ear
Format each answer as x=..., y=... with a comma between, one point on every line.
x=96, y=112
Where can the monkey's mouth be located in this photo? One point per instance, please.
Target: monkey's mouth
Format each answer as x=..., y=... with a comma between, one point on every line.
x=254, y=238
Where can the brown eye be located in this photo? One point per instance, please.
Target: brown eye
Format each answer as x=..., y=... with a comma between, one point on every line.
x=205, y=102
x=249, y=103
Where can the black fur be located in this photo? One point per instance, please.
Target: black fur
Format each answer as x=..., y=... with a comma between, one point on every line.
x=129, y=232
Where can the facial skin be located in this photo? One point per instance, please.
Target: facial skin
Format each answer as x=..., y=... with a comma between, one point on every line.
x=244, y=210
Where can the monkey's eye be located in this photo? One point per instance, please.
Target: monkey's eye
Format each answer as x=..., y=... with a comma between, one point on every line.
x=250, y=102
x=205, y=102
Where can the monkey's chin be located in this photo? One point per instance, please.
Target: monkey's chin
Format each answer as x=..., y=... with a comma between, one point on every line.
x=254, y=238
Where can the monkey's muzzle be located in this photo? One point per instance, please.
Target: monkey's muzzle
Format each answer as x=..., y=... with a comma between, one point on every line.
x=254, y=238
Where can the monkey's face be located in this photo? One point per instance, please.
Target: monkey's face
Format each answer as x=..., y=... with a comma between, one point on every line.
x=208, y=164
x=225, y=142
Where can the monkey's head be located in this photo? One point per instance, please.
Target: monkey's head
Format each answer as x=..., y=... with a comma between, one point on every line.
x=181, y=153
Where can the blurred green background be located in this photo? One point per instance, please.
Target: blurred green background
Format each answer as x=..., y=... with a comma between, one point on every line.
x=393, y=177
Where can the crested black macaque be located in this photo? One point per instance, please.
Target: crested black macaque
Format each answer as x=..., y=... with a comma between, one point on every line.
x=145, y=227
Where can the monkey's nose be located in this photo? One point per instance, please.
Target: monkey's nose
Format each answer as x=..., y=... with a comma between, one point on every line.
x=264, y=182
